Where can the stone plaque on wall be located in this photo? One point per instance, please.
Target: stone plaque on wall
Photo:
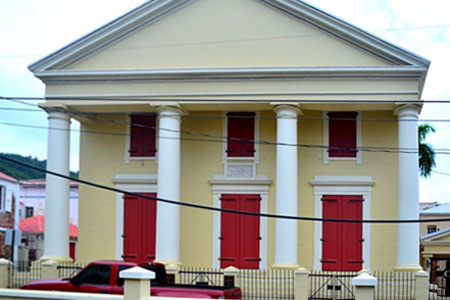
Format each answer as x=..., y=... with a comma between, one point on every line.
x=240, y=171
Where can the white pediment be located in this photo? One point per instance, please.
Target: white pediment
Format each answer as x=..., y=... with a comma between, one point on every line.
x=190, y=34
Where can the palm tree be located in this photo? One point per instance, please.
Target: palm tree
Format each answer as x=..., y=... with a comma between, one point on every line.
x=426, y=151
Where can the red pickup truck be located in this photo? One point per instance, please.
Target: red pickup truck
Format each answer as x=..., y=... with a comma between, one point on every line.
x=103, y=277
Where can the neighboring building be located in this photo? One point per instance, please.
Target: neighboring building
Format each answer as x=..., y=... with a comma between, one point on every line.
x=435, y=238
x=438, y=211
x=32, y=199
x=33, y=238
x=190, y=88
x=9, y=212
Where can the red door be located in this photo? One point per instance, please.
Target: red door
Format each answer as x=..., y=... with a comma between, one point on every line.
x=72, y=250
x=139, y=238
x=240, y=233
x=342, y=242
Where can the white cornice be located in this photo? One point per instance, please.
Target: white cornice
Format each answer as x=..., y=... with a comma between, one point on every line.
x=388, y=72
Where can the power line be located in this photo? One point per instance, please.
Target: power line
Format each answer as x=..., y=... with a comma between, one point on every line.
x=221, y=139
x=210, y=208
x=296, y=36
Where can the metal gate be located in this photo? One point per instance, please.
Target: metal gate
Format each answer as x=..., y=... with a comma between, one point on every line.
x=331, y=285
x=439, y=278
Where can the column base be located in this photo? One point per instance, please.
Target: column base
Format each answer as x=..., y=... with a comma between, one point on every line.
x=58, y=259
x=174, y=264
x=408, y=268
x=290, y=266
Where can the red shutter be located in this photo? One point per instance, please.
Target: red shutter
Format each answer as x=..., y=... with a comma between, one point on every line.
x=241, y=134
x=342, y=134
x=331, y=251
x=72, y=250
x=342, y=242
x=148, y=229
x=249, y=232
x=142, y=136
x=229, y=246
x=132, y=229
x=240, y=234
x=139, y=229
x=352, y=233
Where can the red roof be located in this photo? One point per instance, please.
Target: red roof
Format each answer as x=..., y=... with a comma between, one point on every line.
x=6, y=177
x=36, y=224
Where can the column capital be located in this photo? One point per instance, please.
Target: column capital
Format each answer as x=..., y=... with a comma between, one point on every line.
x=288, y=110
x=57, y=114
x=407, y=110
x=170, y=111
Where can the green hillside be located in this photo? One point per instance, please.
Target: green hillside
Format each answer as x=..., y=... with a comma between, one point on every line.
x=22, y=173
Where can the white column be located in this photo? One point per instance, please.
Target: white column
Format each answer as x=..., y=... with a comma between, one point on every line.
x=408, y=188
x=56, y=235
x=168, y=215
x=286, y=188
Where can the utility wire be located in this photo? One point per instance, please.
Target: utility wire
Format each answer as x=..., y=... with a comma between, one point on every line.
x=441, y=26
x=211, y=208
x=221, y=139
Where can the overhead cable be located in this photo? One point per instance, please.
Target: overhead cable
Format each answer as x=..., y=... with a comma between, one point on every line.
x=223, y=210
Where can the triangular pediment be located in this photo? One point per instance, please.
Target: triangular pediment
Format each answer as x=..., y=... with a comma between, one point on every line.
x=189, y=34
x=438, y=236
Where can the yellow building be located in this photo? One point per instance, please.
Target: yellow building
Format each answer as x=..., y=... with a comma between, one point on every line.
x=264, y=106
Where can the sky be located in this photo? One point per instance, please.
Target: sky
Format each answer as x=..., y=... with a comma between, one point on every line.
x=31, y=29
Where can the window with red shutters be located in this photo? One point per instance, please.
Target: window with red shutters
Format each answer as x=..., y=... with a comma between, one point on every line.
x=240, y=234
x=241, y=134
x=139, y=236
x=142, y=135
x=342, y=134
x=342, y=242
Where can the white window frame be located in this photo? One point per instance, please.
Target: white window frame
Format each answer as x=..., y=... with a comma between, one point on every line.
x=127, y=156
x=2, y=198
x=259, y=185
x=326, y=140
x=136, y=183
x=342, y=185
x=240, y=161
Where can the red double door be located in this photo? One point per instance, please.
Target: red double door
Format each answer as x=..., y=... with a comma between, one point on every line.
x=240, y=234
x=139, y=238
x=342, y=242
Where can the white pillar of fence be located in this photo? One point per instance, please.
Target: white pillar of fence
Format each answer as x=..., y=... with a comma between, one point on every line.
x=364, y=286
x=4, y=272
x=50, y=270
x=421, y=286
x=137, y=283
x=301, y=285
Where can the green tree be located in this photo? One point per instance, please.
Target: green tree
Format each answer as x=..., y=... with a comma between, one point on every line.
x=426, y=152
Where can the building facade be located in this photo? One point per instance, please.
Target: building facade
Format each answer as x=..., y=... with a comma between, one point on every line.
x=262, y=106
x=9, y=213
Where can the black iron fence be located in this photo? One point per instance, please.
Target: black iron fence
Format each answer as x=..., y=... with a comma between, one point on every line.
x=331, y=285
x=200, y=276
x=338, y=285
x=395, y=285
x=67, y=270
x=255, y=284
x=267, y=284
x=23, y=272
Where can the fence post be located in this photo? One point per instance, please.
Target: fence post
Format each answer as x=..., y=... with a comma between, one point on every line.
x=422, y=285
x=301, y=281
x=231, y=277
x=173, y=274
x=137, y=283
x=49, y=269
x=4, y=272
x=364, y=286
